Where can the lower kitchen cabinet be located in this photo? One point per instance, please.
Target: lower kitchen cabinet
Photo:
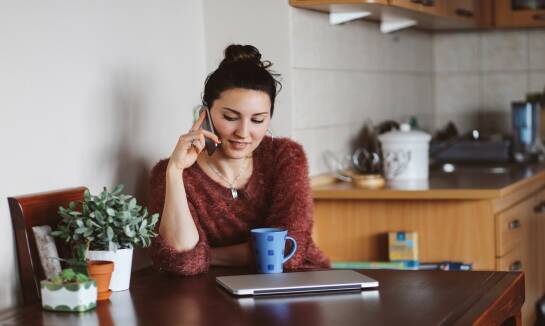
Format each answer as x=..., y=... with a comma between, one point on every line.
x=505, y=233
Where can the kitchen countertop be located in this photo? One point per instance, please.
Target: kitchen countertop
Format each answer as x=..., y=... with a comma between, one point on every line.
x=466, y=182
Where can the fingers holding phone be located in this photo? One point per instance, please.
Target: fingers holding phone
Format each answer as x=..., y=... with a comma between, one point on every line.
x=191, y=144
x=208, y=125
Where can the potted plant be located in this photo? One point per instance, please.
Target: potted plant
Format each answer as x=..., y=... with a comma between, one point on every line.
x=108, y=227
x=101, y=272
x=69, y=291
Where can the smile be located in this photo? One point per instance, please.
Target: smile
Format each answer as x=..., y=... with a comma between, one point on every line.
x=238, y=144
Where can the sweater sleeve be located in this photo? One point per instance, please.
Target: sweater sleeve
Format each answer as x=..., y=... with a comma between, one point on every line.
x=291, y=201
x=164, y=256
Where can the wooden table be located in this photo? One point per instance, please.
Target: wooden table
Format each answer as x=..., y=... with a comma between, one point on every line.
x=403, y=298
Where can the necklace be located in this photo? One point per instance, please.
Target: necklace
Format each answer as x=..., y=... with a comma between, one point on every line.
x=234, y=191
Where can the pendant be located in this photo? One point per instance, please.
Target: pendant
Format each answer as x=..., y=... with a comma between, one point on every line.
x=234, y=193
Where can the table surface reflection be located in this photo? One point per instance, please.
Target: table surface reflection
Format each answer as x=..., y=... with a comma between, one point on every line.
x=404, y=297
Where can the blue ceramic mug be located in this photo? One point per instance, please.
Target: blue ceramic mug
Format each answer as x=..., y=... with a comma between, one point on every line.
x=269, y=246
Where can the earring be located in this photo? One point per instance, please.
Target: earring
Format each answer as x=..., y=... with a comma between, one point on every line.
x=269, y=131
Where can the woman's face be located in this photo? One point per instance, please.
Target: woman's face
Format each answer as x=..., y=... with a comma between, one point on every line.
x=241, y=118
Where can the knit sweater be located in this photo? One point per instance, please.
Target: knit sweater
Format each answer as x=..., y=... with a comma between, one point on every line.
x=277, y=194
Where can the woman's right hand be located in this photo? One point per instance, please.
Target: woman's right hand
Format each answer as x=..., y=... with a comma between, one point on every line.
x=191, y=144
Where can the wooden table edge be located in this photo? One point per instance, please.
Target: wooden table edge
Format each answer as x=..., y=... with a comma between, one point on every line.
x=502, y=303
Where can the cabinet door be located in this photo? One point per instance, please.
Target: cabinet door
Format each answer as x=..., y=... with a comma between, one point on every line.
x=432, y=7
x=409, y=4
x=510, y=228
x=540, y=217
x=531, y=268
x=517, y=247
x=520, y=13
x=468, y=10
x=523, y=255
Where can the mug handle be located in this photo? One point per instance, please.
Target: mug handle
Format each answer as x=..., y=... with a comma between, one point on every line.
x=293, y=249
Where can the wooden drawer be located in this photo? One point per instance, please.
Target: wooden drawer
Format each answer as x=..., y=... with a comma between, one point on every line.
x=509, y=227
x=512, y=261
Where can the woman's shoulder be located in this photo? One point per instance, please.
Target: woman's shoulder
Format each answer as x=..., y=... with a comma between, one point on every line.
x=158, y=171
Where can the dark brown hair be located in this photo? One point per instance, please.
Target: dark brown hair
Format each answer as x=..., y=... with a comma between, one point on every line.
x=241, y=67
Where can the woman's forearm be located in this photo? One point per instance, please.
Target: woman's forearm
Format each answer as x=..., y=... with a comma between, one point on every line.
x=177, y=226
x=235, y=255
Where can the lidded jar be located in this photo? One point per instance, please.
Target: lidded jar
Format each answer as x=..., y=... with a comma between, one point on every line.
x=405, y=153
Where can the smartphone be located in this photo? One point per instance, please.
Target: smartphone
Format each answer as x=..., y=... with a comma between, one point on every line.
x=207, y=124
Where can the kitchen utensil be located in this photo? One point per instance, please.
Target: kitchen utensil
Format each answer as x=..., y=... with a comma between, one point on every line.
x=365, y=161
x=525, y=118
x=338, y=165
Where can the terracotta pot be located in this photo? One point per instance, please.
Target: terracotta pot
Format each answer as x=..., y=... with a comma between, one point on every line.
x=101, y=272
x=122, y=258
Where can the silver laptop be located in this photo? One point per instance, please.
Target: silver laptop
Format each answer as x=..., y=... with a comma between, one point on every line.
x=297, y=282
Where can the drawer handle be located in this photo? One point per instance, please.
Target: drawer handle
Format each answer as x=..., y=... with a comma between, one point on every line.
x=514, y=224
x=515, y=266
x=540, y=208
x=464, y=13
x=539, y=17
x=427, y=3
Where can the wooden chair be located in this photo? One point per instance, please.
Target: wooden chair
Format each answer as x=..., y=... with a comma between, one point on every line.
x=32, y=210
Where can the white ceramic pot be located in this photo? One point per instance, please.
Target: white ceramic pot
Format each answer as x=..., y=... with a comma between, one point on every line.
x=405, y=153
x=75, y=297
x=122, y=258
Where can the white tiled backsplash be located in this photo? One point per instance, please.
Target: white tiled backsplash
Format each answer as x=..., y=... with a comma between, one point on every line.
x=345, y=74
x=479, y=74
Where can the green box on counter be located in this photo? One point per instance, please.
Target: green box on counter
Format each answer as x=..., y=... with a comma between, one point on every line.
x=403, y=246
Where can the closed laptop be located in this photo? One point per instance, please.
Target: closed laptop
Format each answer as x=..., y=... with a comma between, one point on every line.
x=297, y=282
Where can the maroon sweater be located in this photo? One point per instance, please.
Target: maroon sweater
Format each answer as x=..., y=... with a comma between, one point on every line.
x=277, y=194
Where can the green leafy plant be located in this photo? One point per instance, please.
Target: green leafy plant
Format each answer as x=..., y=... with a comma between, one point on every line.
x=109, y=221
x=68, y=275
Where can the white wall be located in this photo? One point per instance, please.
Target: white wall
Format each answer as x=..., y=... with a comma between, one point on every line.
x=264, y=24
x=92, y=93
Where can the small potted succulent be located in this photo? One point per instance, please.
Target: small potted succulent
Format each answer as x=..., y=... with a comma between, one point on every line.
x=69, y=291
x=108, y=227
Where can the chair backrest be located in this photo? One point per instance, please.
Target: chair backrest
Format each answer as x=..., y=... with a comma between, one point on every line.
x=32, y=210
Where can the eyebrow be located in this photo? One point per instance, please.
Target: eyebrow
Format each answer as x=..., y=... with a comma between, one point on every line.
x=236, y=112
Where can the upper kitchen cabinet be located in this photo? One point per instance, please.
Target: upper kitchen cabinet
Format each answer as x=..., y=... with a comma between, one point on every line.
x=433, y=7
x=520, y=13
x=428, y=14
x=476, y=11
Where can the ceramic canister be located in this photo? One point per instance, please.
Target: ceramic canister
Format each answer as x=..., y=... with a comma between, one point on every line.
x=405, y=153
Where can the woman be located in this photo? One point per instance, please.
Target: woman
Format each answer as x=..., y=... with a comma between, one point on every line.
x=209, y=203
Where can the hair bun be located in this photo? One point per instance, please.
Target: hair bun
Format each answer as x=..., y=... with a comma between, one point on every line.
x=242, y=54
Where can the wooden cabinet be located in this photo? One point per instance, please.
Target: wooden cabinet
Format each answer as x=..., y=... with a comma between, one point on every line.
x=449, y=14
x=506, y=233
x=469, y=10
x=516, y=13
x=429, y=14
x=355, y=230
x=540, y=228
x=517, y=249
x=432, y=7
